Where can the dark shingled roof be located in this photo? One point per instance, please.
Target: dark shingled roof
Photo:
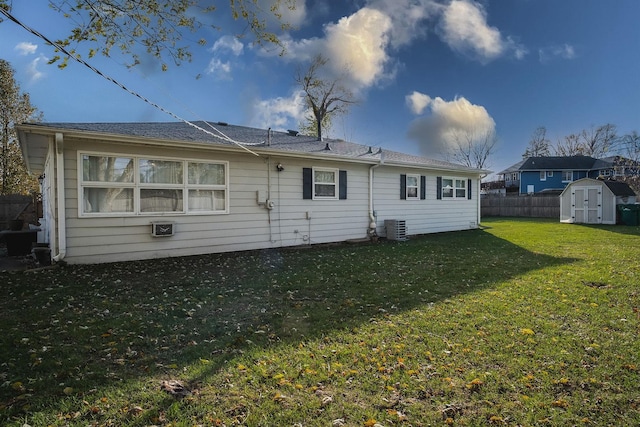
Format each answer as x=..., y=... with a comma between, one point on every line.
x=619, y=188
x=558, y=162
x=254, y=139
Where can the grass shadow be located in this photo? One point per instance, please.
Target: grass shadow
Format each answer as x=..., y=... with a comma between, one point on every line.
x=70, y=334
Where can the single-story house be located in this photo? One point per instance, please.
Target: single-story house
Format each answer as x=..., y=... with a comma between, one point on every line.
x=594, y=201
x=128, y=191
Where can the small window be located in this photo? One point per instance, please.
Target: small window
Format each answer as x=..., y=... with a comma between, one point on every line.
x=324, y=183
x=549, y=174
x=514, y=176
x=543, y=175
x=567, y=176
x=413, y=187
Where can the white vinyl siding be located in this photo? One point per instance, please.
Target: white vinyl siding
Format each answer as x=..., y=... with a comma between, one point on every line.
x=430, y=216
x=292, y=221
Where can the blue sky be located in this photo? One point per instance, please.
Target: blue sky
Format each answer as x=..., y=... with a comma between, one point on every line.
x=422, y=70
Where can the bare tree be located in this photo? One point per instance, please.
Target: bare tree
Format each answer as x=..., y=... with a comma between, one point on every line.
x=630, y=145
x=539, y=145
x=595, y=142
x=600, y=140
x=569, y=146
x=326, y=97
x=473, y=149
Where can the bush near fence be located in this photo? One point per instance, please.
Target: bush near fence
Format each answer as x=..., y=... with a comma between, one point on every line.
x=532, y=206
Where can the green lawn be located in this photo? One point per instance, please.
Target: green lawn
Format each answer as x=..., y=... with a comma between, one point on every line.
x=525, y=322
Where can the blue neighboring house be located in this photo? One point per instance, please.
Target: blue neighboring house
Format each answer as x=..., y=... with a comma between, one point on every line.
x=554, y=173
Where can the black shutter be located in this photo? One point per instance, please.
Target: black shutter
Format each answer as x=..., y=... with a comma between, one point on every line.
x=439, y=188
x=403, y=187
x=469, y=189
x=423, y=187
x=342, y=183
x=307, y=183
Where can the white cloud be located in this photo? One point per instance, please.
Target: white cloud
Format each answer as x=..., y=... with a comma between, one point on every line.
x=32, y=69
x=356, y=47
x=279, y=113
x=229, y=44
x=357, y=43
x=464, y=28
x=436, y=131
x=417, y=102
x=564, y=51
x=219, y=69
x=407, y=17
x=26, y=48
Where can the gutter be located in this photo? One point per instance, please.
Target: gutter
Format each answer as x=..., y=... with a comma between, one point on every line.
x=60, y=198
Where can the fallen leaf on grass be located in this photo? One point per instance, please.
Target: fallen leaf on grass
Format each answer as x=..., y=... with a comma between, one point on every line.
x=175, y=388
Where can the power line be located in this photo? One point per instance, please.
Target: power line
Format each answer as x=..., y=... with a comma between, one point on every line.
x=122, y=86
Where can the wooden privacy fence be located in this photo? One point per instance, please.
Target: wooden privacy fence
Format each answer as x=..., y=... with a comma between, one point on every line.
x=527, y=206
x=12, y=207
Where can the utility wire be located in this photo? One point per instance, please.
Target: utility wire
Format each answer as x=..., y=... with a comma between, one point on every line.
x=122, y=86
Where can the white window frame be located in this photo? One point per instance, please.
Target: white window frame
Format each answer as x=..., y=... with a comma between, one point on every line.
x=543, y=175
x=136, y=186
x=567, y=174
x=455, y=181
x=417, y=187
x=335, y=183
x=549, y=174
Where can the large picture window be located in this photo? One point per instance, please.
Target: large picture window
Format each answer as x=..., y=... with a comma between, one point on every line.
x=121, y=185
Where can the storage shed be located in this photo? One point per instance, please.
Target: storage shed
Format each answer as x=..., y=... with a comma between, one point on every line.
x=593, y=201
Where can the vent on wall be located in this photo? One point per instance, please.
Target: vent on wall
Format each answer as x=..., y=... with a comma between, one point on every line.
x=162, y=229
x=396, y=229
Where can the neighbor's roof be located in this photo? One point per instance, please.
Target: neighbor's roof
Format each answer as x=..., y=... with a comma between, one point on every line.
x=257, y=140
x=512, y=168
x=619, y=188
x=558, y=163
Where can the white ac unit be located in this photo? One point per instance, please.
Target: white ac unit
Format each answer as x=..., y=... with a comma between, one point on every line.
x=396, y=229
x=162, y=229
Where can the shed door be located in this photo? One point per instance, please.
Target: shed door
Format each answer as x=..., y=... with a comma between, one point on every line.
x=586, y=205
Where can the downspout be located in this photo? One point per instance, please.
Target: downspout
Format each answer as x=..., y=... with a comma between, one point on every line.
x=479, y=208
x=60, y=198
x=372, y=219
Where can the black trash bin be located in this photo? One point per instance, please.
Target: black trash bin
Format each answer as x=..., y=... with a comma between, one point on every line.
x=19, y=242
